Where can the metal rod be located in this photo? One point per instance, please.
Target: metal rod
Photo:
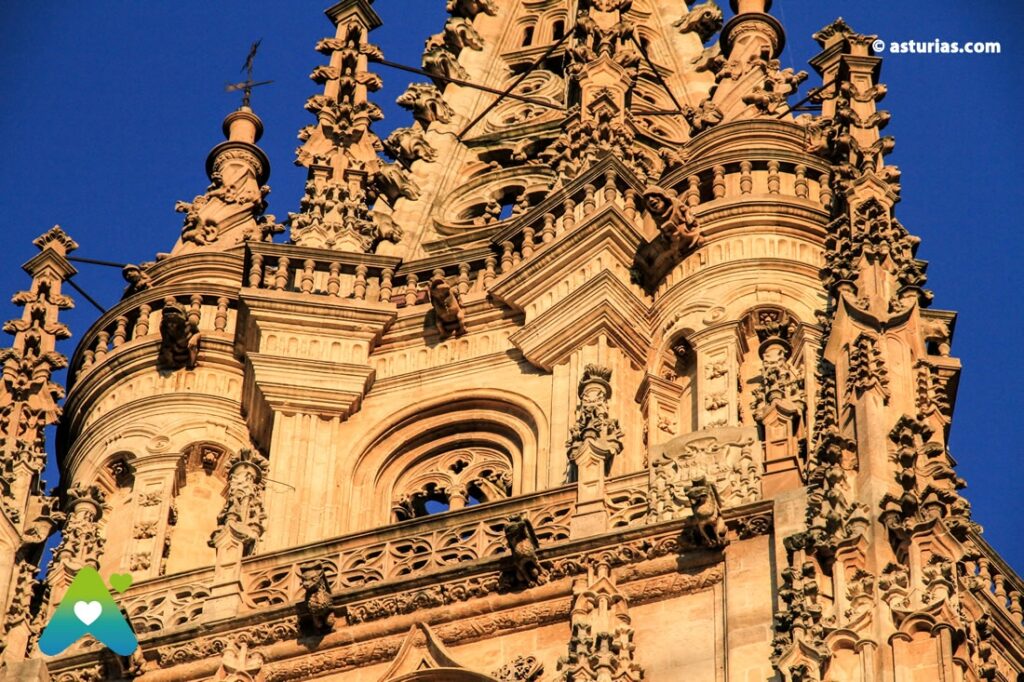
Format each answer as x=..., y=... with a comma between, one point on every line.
x=508, y=91
x=459, y=81
x=657, y=74
x=94, y=261
x=814, y=92
x=86, y=296
x=656, y=112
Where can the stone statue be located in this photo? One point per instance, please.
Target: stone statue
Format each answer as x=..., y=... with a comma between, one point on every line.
x=449, y=315
x=674, y=218
x=179, y=338
x=317, y=600
x=709, y=527
x=522, y=543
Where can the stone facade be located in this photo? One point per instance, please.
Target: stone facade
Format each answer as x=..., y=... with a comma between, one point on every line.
x=628, y=375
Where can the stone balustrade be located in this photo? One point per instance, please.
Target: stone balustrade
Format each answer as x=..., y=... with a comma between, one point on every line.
x=137, y=318
x=989, y=576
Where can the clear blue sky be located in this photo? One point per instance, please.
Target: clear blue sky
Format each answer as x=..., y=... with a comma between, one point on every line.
x=112, y=106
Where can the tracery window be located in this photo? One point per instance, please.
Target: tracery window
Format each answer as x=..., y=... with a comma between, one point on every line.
x=452, y=480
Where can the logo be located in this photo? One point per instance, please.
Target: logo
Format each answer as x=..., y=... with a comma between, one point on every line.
x=88, y=609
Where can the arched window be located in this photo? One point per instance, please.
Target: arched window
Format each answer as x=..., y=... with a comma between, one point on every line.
x=450, y=480
x=527, y=36
x=558, y=29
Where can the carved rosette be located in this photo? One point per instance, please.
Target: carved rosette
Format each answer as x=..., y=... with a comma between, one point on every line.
x=242, y=518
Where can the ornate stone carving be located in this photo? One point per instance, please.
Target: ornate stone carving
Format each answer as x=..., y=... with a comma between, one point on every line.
x=722, y=457
x=601, y=647
x=426, y=104
x=674, y=218
x=523, y=544
x=242, y=516
x=317, y=601
x=594, y=423
x=179, y=338
x=231, y=209
x=438, y=61
x=407, y=145
x=520, y=669
x=458, y=35
x=469, y=9
x=704, y=19
x=449, y=315
x=705, y=115
x=705, y=504
x=867, y=368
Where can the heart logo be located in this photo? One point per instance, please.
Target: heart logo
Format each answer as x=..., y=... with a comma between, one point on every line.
x=88, y=611
x=121, y=581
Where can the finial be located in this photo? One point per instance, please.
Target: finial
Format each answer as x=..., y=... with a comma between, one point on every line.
x=248, y=84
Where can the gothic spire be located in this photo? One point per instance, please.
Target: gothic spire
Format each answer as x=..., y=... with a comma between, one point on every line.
x=28, y=404
x=348, y=184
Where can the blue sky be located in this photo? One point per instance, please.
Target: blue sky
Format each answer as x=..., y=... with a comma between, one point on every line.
x=112, y=106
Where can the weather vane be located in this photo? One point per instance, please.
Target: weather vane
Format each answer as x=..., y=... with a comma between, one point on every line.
x=248, y=84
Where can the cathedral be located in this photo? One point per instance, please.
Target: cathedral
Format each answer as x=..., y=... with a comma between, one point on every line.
x=615, y=365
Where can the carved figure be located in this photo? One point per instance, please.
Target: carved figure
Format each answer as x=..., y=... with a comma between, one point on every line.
x=317, y=600
x=709, y=527
x=449, y=315
x=179, y=344
x=705, y=20
x=470, y=8
x=674, y=218
x=136, y=276
x=522, y=543
x=426, y=104
x=407, y=145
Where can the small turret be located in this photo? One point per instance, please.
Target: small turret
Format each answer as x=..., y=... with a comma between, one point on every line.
x=230, y=212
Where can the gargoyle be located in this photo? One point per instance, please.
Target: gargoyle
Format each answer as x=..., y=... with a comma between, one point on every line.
x=674, y=218
x=426, y=104
x=449, y=315
x=179, y=338
x=407, y=145
x=470, y=8
x=522, y=543
x=709, y=527
x=317, y=599
x=705, y=20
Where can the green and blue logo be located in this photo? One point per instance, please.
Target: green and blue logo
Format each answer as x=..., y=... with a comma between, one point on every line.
x=89, y=609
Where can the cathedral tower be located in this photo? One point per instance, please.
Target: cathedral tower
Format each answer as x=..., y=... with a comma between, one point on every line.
x=608, y=368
